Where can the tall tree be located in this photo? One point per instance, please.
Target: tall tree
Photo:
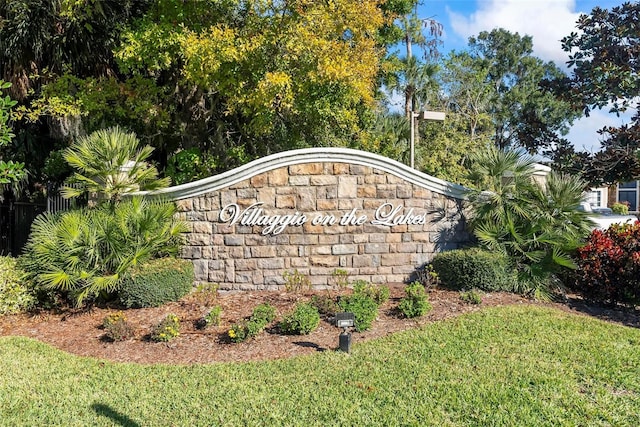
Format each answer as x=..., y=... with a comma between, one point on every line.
x=604, y=59
x=523, y=114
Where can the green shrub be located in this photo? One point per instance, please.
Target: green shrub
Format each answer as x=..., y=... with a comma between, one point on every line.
x=325, y=304
x=156, y=282
x=379, y=293
x=117, y=328
x=212, y=318
x=167, y=329
x=303, y=320
x=262, y=315
x=296, y=281
x=474, y=268
x=427, y=276
x=416, y=302
x=620, y=208
x=87, y=252
x=15, y=297
x=340, y=278
x=471, y=297
x=363, y=307
x=206, y=293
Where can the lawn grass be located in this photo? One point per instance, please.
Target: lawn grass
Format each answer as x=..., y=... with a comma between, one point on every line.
x=507, y=366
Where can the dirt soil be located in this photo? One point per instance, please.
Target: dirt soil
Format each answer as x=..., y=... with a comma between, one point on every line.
x=79, y=331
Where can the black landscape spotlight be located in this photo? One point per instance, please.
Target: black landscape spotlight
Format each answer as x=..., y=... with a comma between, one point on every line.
x=344, y=321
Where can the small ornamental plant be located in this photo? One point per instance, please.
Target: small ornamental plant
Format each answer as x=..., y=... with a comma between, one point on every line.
x=325, y=304
x=295, y=281
x=380, y=294
x=212, y=318
x=302, y=321
x=416, y=302
x=362, y=304
x=471, y=297
x=262, y=315
x=117, y=328
x=167, y=329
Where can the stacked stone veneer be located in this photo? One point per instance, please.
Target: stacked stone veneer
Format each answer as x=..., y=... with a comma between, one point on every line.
x=241, y=257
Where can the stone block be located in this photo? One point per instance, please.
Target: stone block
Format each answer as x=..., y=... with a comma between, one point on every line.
x=326, y=205
x=344, y=249
x=347, y=187
x=378, y=237
x=394, y=259
x=299, y=180
x=299, y=262
x=328, y=239
x=359, y=170
x=285, y=201
x=320, y=250
x=340, y=169
x=184, y=205
x=286, y=251
x=201, y=269
x=258, y=181
x=198, y=239
x=270, y=263
x=306, y=201
x=324, y=261
x=233, y=240
x=263, y=251
x=246, y=193
x=191, y=252
x=278, y=177
x=376, y=248
x=202, y=227
x=245, y=264
x=318, y=180
x=367, y=191
x=306, y=169
x=404, y=191
x=349, y=204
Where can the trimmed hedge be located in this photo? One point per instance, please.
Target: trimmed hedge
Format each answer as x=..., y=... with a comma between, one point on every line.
x=14, y=294
x=156, y=282
x=474, y=268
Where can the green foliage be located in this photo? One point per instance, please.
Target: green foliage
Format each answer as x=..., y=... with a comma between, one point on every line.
x=86, y=252
x=604, y=74
x=471, y=297
x=167, y=329
x=212, y=318
x=416, y=302
x=513, y=365
x=156, y=282
x=110, y=163
x=325, y=304
x=117, y=327
x=362, y=304
x=10, y=171
x=190, y=165
x=536, y=226
x=378, y=293
x=206, y=293
x=340, y=278
x=15, y=296
x=261, y=316
x=427, y=276
x=474, y=268
x=620, y=208
x=296, y=281
x=302, y=321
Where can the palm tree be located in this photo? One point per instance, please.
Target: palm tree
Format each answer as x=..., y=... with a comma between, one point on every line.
x=109, y=164
x=537, y=225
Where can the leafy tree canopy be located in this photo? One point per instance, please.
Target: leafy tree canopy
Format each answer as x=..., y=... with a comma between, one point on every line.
x=604, y=58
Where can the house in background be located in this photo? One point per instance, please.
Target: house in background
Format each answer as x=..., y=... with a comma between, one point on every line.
x=602, y=197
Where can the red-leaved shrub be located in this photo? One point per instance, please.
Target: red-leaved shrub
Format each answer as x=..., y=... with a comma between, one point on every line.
x=609, y=266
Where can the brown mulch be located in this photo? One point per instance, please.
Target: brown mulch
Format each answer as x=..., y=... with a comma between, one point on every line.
x=79, y=331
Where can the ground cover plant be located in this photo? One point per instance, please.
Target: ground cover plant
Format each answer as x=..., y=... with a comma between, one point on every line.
x=555, y=368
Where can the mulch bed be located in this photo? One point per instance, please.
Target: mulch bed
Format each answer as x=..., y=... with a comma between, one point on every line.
x=79, y=331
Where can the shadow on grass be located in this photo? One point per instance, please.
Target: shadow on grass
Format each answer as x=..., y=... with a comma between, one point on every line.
x=113, y=415
x=624, y=315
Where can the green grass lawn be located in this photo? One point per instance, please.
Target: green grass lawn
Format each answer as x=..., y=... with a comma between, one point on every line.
x=508, y=366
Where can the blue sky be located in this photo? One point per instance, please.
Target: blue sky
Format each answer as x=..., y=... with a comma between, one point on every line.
x=547, y=21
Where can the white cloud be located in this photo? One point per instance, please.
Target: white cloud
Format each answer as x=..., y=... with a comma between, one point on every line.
x=583, y=133
x=547, y=21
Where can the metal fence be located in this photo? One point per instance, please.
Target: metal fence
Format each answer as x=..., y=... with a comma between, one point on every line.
x=16, y=218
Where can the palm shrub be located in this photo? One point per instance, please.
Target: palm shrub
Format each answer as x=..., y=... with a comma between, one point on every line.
x=86, y=252
x=536, y=225
x=111, y=163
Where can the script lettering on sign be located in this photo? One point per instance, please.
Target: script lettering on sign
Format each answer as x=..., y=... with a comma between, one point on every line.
x=254, y=215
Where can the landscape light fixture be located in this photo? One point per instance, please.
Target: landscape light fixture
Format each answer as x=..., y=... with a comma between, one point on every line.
x=345, y=321
x=422, y=115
